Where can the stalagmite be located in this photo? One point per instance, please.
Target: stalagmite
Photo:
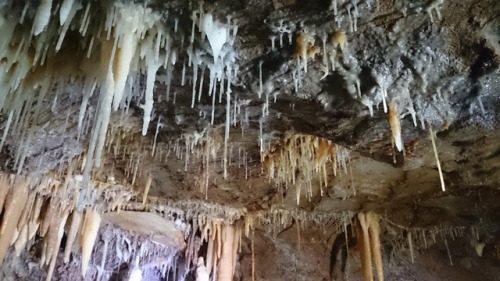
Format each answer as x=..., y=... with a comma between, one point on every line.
x=15, y=201
x=92, y=223
x=226, y=261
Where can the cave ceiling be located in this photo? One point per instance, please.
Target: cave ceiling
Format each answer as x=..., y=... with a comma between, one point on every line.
x=281, y=112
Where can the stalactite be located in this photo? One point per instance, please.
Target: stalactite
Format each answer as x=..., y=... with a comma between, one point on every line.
x=410, y=245
x=236, y=248
x=365, y=252
x=21, y=240
x=32, y=229
x=146, y=188
x=226, y=262
x=42, y=16
x=219, y=235
x=55, y=241
x=37, y=207
x=448, y=251
x=438, y=163
x=15, y=201
x=50, y=239
x=479, y=247
x=92, y=222
x=201, y=271
x=253, y=254
x=368, y=233
x=307, y=154
x=76, y=217
x=298, y=235
x=4, y=190
x=26, y=210
x=374, y=231
x=135, y=274
x=210, y=252
x=49, y=213
x=395, y=126
x=305, y=49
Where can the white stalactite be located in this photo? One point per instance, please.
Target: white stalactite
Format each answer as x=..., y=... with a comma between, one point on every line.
x=42, y=16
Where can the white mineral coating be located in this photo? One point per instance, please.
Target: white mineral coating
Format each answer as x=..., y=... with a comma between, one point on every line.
x=160, y=230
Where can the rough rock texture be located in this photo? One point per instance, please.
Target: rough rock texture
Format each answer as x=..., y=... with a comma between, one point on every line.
x=441, y=74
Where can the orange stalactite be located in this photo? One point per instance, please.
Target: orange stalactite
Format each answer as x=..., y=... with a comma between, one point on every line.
x=395, y=126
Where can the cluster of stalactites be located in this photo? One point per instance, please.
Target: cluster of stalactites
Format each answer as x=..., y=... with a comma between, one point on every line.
x=306, y=155
x=112, y=46
x=306, y=47
x=415, y=239
x=204, y=146
x=47, y=207
x=50, y=216
x=397, y=105
x=222, y=66
x=276, y=220
x=105, y=49
x=222, y=227
x=224, y=242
